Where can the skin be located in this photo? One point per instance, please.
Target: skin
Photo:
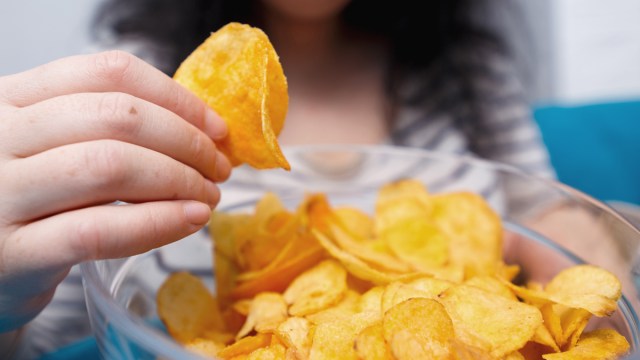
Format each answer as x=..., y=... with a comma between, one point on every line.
x=335, y=76
x=78, y=134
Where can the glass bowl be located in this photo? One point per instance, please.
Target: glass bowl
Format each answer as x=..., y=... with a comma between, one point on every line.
x=548, y=227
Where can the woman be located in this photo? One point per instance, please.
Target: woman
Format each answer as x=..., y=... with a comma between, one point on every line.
x=361, y=71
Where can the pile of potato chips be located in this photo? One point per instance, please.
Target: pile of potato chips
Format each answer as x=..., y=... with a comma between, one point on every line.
x=422, y=277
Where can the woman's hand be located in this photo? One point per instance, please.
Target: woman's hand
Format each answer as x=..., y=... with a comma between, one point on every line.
x=75, y=136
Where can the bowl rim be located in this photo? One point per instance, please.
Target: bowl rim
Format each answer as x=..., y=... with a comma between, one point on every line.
x=150, y=338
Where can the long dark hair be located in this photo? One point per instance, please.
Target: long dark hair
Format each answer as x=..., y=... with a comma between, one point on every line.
x=418, y=32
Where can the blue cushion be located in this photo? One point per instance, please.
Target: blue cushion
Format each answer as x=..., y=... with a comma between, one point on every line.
x=595, y=148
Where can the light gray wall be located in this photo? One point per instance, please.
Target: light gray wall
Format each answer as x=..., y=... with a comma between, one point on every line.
x=33, y=32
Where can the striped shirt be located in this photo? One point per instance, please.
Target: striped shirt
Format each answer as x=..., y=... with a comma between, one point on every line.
x=482, y=113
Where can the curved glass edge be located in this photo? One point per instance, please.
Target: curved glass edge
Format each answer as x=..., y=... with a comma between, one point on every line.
x=487, y=164
x=142, y=335
x=624, y=306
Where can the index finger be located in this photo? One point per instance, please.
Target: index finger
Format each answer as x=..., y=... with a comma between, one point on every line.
x=111, y=71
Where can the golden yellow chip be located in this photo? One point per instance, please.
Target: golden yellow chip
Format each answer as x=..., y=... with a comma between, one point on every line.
x=489, y=321
x=317, y=288
x=544, y=337
x=474, y=230
x=187, y=308
x=353, y=264
x=492, y=285
x=418, y=242
x=598, y=344
x=271, y=352
x=379, y=260
x=355, y=221
x=412, y=339
x=587, y=287
x=204, y=347
x=237, y=73
x=245, y=346
x=425, y=287
x=334, y=339
x=295, y=333
x=370, y=344
x=267, y=311
x=345, y=308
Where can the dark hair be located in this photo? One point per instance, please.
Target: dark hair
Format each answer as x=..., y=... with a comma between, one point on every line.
x=419, y=32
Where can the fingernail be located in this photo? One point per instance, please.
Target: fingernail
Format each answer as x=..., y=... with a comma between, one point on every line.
x=223, y=167
x=197, y=213
x=213, y=193
x=214, y=126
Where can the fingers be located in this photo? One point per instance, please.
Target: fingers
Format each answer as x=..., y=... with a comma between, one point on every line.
x=113, y=71
x=100, y=232
x=85, y=117
x=89, y=173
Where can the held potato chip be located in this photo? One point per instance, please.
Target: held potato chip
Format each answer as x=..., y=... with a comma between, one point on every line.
x=237, y=73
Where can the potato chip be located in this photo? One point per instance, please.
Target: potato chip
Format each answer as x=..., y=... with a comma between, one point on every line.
x=552, y=322
x=353, y=264
x=587, y=287
x=187, y=308
x=411, y=339
x=224, y=228
x=479, y=323
x=402, y=190
x=204, y=347
x=355, y=221
x=272, y=352
x=316, y=289
x=418, y=242
x=295, y=333
x=334, y=339
x=583, y=286
x=379, y=260
x=370, y=344
x=425, y=287
x=474, y=230
x=267, y=311
x=245, y=346
x=261, y=240
x=598, y=344
x=345, y=308
x=492, y=285
x=544, y=337
x=237, y=73
x=371, y=301
x=277, y=278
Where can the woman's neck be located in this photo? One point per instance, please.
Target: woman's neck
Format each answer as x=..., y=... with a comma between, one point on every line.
x=307, y=49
